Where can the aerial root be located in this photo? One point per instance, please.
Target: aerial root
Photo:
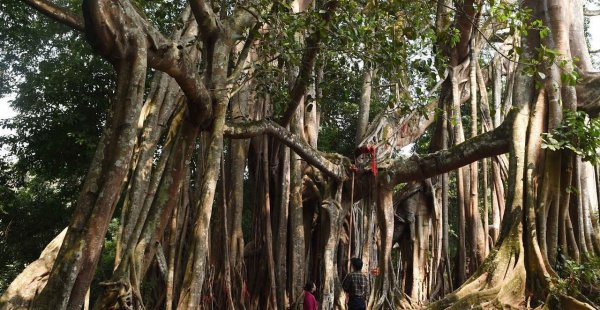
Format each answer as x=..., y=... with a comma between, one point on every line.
x=120, y=293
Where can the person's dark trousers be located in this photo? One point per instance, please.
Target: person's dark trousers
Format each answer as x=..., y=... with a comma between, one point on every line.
x=356, y=303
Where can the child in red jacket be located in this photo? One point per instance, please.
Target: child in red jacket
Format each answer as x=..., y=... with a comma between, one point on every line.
x=310, y=302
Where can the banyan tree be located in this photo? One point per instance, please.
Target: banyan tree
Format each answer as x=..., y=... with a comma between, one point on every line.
x=257, y=145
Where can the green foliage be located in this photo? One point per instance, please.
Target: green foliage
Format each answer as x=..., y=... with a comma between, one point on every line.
x=25, y=40
x=393, y=35
x=339, y=107
x=164, y=14
x=32, y=212
x=577, y=279
x=62, y=94
x=576, y=133
x=56, y=105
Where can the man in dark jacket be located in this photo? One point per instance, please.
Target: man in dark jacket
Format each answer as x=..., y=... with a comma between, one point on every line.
x=356, y=285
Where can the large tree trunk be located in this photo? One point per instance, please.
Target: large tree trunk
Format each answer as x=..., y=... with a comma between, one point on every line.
x=170, y=237
x=75, y=264
x=529, y=264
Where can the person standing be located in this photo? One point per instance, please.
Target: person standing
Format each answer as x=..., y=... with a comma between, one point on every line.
x=310, y=302
x=356, y=285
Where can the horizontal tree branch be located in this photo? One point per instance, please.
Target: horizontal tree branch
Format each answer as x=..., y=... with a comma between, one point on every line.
x=415, y=167
x=57, y=13
x=589, y=13
x=308, y=153
x=420, y=167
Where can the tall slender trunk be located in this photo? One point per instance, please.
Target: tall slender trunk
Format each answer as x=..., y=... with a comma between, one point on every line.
x=266, y=218
x=475, y=231
x=297, y=237
x=384, y=284
x=196, y=265
x=335, y=211
x=460, y=182
x=589, y=195
x=282, y=244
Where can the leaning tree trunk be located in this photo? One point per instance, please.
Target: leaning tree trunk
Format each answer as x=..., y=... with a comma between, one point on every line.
x=69, y=280
x=196, y=265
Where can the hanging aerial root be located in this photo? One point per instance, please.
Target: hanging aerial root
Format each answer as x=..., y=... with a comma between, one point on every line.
x=120, y=293
x=390, y=298
x=123, y=291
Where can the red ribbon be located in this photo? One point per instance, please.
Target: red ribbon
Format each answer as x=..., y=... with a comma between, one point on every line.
x=372, y=151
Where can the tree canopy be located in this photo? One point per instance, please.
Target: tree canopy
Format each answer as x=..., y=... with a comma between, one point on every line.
x=220, y=154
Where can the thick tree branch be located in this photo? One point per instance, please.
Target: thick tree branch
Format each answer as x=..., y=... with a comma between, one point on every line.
x=107, y=29
x=419, y=167
x=208, y=21
x=241, y=61
x=303, y=78
x=307, y=152
x=180, y=63
x=309, y=58
x=416, y=167
x=244, y=17
x=413, y=127
x=589, y=13
x=57, y=13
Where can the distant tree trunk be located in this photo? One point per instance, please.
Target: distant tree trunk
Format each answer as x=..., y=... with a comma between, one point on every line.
x=384, y=295
x=589, y=196
x=335, y=215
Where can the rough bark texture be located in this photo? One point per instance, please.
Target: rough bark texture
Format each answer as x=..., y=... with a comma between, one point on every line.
x=305, y=222
x=26, y=286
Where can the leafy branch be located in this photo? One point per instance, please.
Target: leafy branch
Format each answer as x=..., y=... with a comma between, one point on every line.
x=577, y=133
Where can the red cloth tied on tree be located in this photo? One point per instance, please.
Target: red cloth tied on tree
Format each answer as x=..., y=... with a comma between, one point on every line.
x=372, y=151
